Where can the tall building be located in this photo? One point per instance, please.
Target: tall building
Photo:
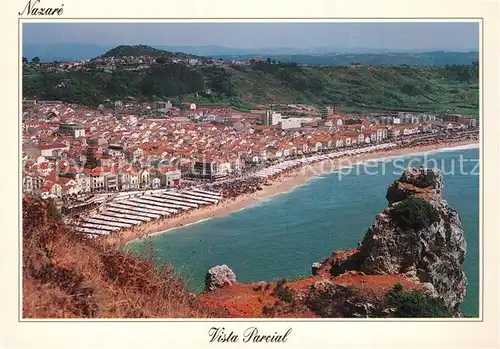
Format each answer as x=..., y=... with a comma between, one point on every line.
x=327, y=111
x=76, y=130
x=163, y=106
x=271, y=118
x=452, y=117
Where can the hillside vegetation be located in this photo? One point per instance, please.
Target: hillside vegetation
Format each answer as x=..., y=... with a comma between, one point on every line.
x=66, y=275
x=361, y=88
x=355, y=88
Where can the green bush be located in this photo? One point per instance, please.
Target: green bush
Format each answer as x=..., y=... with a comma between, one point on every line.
x=283, y=292
x=398, y=287
x=414, y=213
x=415, y=304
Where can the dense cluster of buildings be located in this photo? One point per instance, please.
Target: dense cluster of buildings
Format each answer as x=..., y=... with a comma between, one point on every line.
x=68, y=150
x=410, y=118
x=132, y=63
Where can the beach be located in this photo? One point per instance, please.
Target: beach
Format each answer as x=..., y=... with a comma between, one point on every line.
x=282, y=184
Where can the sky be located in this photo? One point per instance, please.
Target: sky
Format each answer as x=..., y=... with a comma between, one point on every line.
x=451, y=36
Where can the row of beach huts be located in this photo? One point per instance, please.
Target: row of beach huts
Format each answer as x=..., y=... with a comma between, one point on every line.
x=126, y=212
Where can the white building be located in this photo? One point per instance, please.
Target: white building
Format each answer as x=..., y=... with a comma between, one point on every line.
x=290, y=123
x=47, y=150
x=169, y=176
x=83, y=181
x=272, y=118
x=223, y=119
x=163, y=106
x=32, y=183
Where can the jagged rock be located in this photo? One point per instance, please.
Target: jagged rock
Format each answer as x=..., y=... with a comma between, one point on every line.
x=365, y=309
x=322, y=284
x=343, y=261
x=331, y=300
x=388, y=311
x=433, y=254
x=219, y=276
x=415, y=180
x=429, y=289
x=339, y=300
x=315, y=267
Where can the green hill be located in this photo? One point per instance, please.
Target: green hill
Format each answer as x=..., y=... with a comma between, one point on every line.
x=354, y=88
x=141, y=50
x=361, y=88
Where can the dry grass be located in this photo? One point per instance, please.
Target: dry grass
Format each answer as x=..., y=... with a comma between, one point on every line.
x=66, y=275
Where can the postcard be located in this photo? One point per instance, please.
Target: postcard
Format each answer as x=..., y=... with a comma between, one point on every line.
x=215, y=176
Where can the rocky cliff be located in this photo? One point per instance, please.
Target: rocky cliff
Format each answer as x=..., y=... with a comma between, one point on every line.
x=411, y=255
x=422, y=240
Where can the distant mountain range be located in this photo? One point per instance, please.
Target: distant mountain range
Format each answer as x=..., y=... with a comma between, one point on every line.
x=316, y=56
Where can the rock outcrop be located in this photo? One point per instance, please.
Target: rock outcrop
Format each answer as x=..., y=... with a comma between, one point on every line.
x=415, y=180
x=340, y=300
x=431, y=252
x=407, y=265
x=219, y=276
x=315, y=268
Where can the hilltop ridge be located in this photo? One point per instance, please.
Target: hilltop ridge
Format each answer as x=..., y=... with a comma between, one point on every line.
x=141, y=50
x=181, y=77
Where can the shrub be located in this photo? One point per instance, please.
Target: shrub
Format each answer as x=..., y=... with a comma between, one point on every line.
x=257, y=288
x=330, y=300
x=414, y=213
x=267, y=310
x=415, y=304
x=398, y=287
x=283, y=292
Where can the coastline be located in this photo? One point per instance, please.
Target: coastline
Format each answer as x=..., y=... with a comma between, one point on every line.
x=283, y=184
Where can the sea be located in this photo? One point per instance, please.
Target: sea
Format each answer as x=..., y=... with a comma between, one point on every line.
x=281, y=236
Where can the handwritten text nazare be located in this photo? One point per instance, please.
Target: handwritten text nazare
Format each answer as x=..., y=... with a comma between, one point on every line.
x=32, y=10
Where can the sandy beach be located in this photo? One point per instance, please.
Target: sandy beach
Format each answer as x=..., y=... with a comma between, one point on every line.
x=282, y=184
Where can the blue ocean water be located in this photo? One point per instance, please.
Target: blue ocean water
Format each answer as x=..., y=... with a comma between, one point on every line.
x=282, y=236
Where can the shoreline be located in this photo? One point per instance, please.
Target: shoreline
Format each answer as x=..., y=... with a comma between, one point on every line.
x=281, y=185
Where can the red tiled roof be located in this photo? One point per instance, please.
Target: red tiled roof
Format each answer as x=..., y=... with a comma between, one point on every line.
x=51, y=146
x=96, y=172
x=166, y=169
